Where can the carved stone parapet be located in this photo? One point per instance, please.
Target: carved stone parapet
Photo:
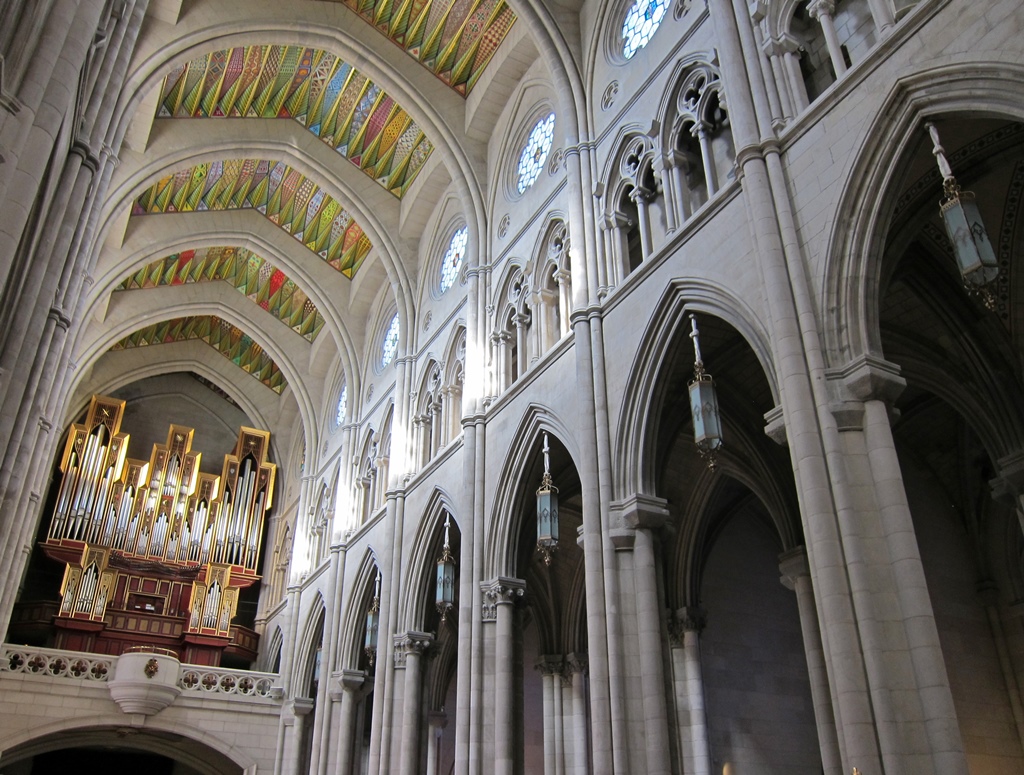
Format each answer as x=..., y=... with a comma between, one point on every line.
x=793, y=565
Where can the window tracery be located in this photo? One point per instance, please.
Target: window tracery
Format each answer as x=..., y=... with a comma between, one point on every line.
x=642, y=20
x=452, y=261
x=535, y=152
x=389, y=347
x=341, y=411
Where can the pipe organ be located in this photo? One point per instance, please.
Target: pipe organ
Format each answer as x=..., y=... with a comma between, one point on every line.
x=156, y=552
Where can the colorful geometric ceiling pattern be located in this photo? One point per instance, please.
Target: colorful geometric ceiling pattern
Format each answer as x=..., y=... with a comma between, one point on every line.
x=245, y=271
x=326, y=95
x=455, y=39
x=282, y=194
x=230, y=341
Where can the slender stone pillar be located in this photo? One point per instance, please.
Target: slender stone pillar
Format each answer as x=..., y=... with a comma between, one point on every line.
x=796, y=575
x=413, y=645
x=300, y=708
x=354, y=686
x=501, y=596
x=576, y=666
x=550, y=667
x=823, y=11
x=437, y=720
x=690, y=692
x=646, y=514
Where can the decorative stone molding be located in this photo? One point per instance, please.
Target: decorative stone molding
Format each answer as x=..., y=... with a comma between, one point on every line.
x=576, y=664
x=354, y=681
x=686, y=619
x=411, y=642
x=647, y=512
x=550, y=664
x=818, y=8
x=866, y=378
x=792, y=566
x=775, y=426
x=145, y=682
x=301, y=706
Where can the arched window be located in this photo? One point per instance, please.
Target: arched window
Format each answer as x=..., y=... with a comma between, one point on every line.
x=511, y=332
x=642, y=20
x=631, y=213
x=535, y=152
x=551, y=282
x=452, y=261
x=341, y=412
x=389, y=346
x=699, y=154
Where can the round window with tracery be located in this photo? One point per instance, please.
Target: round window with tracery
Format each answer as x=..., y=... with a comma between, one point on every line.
x=390, y=345
x=452, y=261
x=531, y=161
x=641, y=22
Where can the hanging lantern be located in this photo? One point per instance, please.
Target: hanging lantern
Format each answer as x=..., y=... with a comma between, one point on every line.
x=707, y=423
x=547, y=510
x=445, y=596
x=373, y=623
x=975, y=257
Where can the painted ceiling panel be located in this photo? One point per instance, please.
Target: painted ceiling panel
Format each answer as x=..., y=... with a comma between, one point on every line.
x=230, y=341
x=245, y=271
x=326, y=95
x=282, y=194
x=455, y=39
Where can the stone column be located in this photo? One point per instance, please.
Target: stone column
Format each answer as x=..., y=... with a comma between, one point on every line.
x=700, y=131
x=501, y=595
x=564, y=280
x=639, y=197
x=300, y=708
x=882, y=15
x=550, y=668
x=647, y=514
x=796, y=575
x=354, y=686
x=787, y=47
x=690, y=709
x=412, y=646
x=437, y=720
x=823, y=11
x=576, y=667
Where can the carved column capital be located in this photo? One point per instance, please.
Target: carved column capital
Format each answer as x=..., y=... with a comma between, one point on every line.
x=687, y=619
x=641, y=511
x=818, y=8
x=411, y=642
x=500, y=591
x=549, y=664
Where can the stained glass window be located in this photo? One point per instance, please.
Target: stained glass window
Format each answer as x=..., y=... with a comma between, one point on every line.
x=452, y=261
x=531, y=162
x=390, y=346
x=339, y=418
x=641, y=22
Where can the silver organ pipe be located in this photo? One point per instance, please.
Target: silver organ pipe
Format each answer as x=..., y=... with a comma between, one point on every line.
x=162, y=510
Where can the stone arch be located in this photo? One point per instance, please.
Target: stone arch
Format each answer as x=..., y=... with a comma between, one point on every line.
x=855, y=245
x=420, y=561
x=353, y=620
x=307, y=645
x=213, y=757
x=270, y=654
x=500, y=551
x=410, y=89
x=231, y=310
x=633, y=442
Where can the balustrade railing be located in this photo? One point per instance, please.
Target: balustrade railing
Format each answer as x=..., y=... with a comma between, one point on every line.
x=55, y=663
x=193, y=679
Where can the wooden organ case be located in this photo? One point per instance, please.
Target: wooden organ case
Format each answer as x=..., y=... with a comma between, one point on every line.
x=156, y=552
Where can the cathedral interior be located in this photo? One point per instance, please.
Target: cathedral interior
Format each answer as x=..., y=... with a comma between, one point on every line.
x=452, y=387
